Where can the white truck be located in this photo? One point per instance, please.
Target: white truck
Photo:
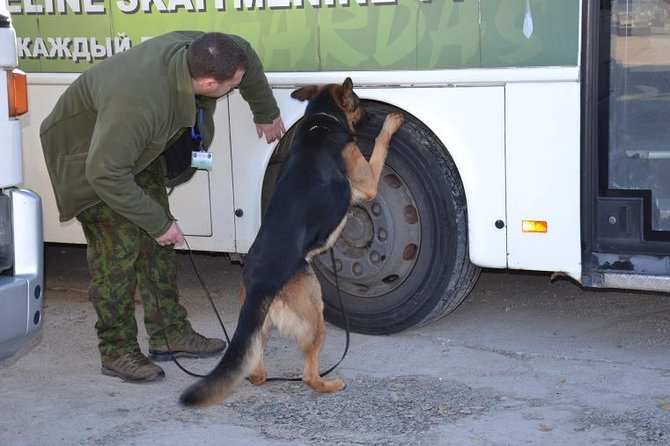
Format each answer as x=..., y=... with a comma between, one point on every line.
x=21, y=245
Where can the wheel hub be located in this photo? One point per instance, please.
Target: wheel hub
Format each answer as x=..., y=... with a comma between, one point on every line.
x=379, y=244
x=357, y=233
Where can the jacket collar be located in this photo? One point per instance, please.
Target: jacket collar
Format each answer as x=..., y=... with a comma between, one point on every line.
x=185, y=98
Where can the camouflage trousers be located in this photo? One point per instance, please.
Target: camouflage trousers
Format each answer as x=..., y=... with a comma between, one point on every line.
x=124, y=260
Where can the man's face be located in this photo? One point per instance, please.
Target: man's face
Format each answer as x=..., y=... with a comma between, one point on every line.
x=219, y=89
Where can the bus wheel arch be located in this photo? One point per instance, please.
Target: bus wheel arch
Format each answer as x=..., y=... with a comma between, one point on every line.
x=402, y=259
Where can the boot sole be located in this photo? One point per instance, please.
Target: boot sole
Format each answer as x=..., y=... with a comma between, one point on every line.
x=167, y=356
x=111, y=372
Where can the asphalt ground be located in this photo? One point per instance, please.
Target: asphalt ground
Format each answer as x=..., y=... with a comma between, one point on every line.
x=521, y=361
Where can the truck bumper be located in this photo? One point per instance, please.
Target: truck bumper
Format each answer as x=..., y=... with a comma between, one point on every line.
x=21, y=294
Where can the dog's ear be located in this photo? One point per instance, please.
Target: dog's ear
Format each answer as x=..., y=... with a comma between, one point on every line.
x=305, y=93
x=349, y=99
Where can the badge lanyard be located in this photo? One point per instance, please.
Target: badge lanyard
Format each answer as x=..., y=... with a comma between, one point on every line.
x=200, y=159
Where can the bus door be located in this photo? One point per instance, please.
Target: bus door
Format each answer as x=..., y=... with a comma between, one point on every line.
x=627, y=150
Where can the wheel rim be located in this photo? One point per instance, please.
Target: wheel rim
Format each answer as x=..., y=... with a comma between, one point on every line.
x=379, y=245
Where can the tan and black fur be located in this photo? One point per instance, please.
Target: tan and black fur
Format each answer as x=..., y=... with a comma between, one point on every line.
x=324, y=174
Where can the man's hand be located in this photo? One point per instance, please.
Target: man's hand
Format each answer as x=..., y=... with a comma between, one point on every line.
x=273, y=132
x=173, y=236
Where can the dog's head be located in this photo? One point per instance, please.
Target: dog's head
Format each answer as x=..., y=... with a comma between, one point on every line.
x=331, y=99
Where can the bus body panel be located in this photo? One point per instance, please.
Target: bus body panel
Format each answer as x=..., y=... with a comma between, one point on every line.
x=543, y=175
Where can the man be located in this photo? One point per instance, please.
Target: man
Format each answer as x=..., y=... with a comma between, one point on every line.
x=117, y=136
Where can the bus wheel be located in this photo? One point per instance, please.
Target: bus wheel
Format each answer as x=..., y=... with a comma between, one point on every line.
x=402, y=259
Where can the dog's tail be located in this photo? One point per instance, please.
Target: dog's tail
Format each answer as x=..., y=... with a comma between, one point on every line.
x=241, y=357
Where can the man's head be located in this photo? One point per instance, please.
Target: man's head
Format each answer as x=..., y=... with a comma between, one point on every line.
x=216, y=63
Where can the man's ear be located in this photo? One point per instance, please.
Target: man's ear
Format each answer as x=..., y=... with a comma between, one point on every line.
x=204, y=85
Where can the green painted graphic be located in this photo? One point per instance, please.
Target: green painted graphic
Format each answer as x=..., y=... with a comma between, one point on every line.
x=309, y=35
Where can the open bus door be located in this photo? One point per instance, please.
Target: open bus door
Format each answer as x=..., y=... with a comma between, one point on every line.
x=627, y=146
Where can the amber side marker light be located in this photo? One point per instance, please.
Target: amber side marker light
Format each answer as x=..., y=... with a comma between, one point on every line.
x=17, y=92
x=533, y=226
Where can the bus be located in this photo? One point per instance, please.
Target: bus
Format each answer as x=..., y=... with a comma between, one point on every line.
x=535, y=136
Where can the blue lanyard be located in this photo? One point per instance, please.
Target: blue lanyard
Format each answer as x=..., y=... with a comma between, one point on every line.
x=197, y=133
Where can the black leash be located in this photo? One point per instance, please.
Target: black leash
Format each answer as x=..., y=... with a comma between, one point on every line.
x=344, y=314
x=216, y=312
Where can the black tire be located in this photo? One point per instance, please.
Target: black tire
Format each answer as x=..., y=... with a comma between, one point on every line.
x=402, y=259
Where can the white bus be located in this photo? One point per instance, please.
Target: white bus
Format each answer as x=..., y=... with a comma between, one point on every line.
x=536, y=136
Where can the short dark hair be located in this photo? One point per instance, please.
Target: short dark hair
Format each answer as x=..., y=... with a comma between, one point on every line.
x=216, y=55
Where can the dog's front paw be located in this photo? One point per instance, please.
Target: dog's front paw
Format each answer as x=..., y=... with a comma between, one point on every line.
x=393, y=122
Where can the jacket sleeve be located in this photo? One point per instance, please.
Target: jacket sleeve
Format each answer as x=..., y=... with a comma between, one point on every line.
x=255, y=89
x=121, y=134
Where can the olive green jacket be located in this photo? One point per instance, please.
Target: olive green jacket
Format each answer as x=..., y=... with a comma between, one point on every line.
x=120, y=115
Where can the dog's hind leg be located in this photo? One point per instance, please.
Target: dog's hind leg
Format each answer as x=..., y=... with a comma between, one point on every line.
x=311, y=310
x=259, y=375
x=298, y=312
x=310, y=374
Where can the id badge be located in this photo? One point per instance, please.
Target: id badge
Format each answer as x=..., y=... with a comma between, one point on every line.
x=201, y=160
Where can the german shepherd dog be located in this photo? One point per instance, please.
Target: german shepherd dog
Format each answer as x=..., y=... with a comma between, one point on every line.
x=324, y=175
